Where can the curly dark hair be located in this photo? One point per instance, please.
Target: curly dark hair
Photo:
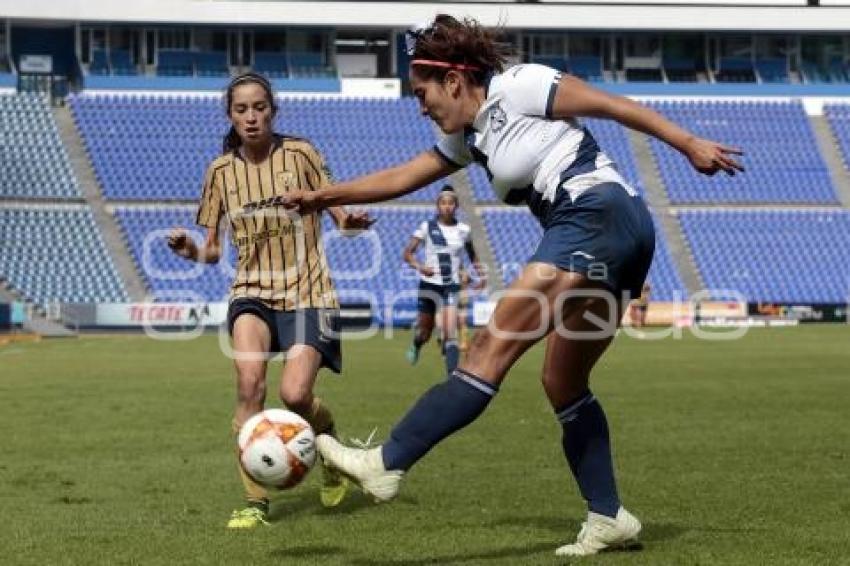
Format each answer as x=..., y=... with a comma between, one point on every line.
x=459, y=42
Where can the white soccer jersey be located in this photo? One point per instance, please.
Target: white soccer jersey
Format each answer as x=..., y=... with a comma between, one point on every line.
x=527, y=154
x=443, y=248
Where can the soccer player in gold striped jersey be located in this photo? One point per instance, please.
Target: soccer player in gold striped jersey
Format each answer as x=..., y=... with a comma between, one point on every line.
x=283, y=297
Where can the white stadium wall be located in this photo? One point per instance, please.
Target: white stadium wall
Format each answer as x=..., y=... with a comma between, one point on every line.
x=751, y=15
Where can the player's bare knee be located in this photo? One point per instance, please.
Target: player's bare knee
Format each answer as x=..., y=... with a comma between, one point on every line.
x=251, y=388
x=561, y=387
x=487, y=356
x=296, y=398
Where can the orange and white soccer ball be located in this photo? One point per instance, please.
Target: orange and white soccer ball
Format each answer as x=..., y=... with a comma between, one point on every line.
x=277, y=448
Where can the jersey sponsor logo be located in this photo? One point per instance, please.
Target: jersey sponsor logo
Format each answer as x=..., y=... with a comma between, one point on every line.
x=270, y=202
x=286, y=230
x=498, y=119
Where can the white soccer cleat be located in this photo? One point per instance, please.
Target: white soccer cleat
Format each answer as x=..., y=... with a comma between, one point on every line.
x=601, y=533
x=365, y=467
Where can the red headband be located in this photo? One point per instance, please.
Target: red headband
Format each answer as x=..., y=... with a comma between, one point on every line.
x=446, y=64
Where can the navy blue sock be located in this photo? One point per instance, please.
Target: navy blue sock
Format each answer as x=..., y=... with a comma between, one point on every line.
x=588, y=451
x=452, y=354
x=445, y=408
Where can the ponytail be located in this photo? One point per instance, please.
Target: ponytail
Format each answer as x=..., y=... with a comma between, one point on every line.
x=232, y=141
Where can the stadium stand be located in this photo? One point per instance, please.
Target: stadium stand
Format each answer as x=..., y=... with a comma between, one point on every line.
x=735, y=70
x=211, y=64
x=680, y=70
x=57, y=254
x=271, y=64
x=157, y=147
x=35, y=165
x=644, y=75
x=586, y=67
x=175, y=63
x=99, y=62
x=613, y=140
x=772, y=255
x=782, y=164
x=145, y=230
x=119, y=60
x=772, y=70
x=514, y=235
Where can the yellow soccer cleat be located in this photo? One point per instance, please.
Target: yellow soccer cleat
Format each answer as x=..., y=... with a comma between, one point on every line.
x=334, y=487
x=248, y=518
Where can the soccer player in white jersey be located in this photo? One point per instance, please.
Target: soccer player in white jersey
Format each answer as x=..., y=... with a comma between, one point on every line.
x=445, y=239
x=597, y=245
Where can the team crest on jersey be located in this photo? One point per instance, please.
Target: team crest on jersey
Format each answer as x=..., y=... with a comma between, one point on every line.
x=285, y=178
x=498, y=119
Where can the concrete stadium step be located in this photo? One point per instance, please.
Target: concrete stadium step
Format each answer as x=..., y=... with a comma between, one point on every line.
x=658, y=200
x=828, y=147
x=91, y=190
x=460, y=181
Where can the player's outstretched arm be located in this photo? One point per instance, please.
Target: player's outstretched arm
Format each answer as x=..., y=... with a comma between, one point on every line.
x=184, y=246
x=575, y=98
x=383, y=185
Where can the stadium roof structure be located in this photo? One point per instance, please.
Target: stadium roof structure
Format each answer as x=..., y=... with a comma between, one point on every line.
x=717, y=15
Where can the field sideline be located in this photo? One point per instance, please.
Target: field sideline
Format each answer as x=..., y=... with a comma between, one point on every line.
x=117, y=450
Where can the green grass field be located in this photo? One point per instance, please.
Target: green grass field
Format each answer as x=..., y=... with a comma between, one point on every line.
x=117, y=450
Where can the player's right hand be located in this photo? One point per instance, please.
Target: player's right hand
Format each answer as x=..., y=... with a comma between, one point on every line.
x=708, y=157
x=426, y=271
x=180, y=243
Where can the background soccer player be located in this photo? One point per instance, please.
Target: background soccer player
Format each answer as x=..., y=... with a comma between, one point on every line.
x=639, y=307
x=440, y=276
x=283, y=298
x=597, y=245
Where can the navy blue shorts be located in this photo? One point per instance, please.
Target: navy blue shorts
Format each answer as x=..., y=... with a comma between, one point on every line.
x=431, y=297
x=606, y=234
x=319, y=328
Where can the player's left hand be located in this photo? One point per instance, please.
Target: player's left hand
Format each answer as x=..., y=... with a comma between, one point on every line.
x=708, y=157
x=356, y=221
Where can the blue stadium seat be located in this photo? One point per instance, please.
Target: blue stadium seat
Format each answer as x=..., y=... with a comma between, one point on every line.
x=782, y=256
x=773, y=70
x=57, y=254
x=783, y=164
x=158, y=147
x=35, y=164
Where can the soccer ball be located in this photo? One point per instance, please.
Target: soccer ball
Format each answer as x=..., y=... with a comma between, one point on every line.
x=277, y=448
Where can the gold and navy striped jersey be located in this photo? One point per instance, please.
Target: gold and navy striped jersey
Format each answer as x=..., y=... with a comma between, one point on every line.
x=281, y=257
